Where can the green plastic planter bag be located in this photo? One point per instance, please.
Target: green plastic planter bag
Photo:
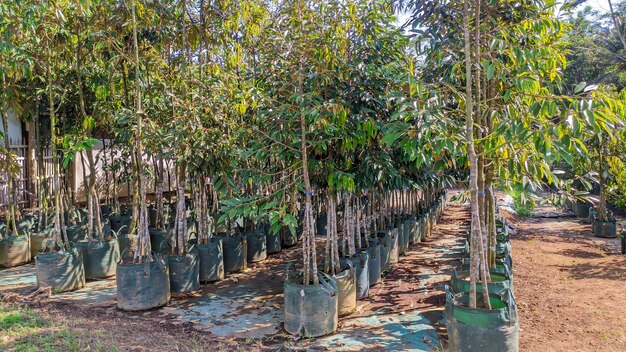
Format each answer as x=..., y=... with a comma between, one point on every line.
x=14, y=251
x=257, y=246
x=482, y=330
x=394, y=242
x=211, y=260
x=120, y=224
x=402, y=238
x=76, y=233
x=99, y=257
x=61, y=271
x=374, y=265
x=184, y=271
x=310, y=310
x=287, y=238
x=499, y=283
x=346, y=288
x=406, y=236
x=39, y=241
x=273, y=242
x=385, y=248
x=361, y=266
x=160, y=241
x=605, y=229
x=234, y=248
x=143, y=286
x=321, y=223
x=126, y=244
x=413, y=229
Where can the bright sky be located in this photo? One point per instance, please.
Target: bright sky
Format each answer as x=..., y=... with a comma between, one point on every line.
x=599, y=5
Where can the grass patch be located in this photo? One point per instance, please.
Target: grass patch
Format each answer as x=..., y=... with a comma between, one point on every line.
x=23, y=330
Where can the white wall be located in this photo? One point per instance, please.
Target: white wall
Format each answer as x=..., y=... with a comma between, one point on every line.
x=15, y=126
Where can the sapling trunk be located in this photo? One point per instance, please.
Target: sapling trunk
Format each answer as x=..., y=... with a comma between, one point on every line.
x=308, y=243
x=143, y=240
x=475, y=231
x=602, y=213
x=181, y=220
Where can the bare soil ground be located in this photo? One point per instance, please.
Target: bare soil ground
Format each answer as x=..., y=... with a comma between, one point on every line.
x=570, y=286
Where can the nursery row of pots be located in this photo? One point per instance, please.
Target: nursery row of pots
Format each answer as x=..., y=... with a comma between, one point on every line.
x=313, y=310
x=481, y=329
x=601, y=228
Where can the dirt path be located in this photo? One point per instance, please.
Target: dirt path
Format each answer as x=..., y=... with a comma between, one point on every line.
x=570, y=287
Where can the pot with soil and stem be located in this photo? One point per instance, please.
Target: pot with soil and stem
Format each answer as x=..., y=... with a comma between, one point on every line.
x=121, y=223
x=499, y=281
x=161, y=240
x=209, y=247
x=256, y=246
x=100, y=257
x=311, y=310
x=341, y=269
x=211, y=260
x=374, y=265
x=581, y=208
x=142, y=282
x=183, y=262
x=14, y=248
x=394, y=242
x=39, y=241
x=235, y=251
x=409, y=231
x=62, y=270
x=288, y=238
x=360, y=261
x=273, y=242
x=482, y=329
x=346, y=288
x=385, y=247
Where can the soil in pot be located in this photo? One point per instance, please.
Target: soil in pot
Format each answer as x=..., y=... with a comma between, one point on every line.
x=374, y=264
x=143, y=286
x=256, y=246
x=499, y=283
x=310, y=310
x=211, y=260
x=61, y=271
x=184, y=271
x=479, y=329
x=361, y=266
x=235, y=252
x=346, y=288
x=14, y=251
x=99, y=257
